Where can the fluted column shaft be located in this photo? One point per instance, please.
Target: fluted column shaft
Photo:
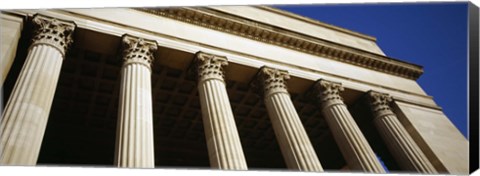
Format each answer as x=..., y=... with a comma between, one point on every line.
x=223, y=142
x=25, y=118
x=10, y=33
x=291, y=135
x=401, y=145
x=134, y=144
x=355, y=149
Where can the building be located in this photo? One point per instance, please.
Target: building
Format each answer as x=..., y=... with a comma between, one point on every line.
x=222, y=87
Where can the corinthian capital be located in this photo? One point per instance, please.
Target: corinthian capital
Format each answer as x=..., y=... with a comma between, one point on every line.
x=210, y=66
x=138, y=50
x=379, y=103
x=272, y=80
x=328, y=92
x=53, y=32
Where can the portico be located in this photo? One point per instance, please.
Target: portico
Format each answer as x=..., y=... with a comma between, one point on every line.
x=139, y=97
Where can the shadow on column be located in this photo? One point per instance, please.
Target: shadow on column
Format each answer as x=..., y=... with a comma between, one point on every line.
x=82, y=125
x=317, y=129
x=20, y=56
x=258, y=140
x=360, y=111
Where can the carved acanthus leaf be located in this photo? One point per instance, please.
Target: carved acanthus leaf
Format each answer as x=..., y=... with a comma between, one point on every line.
x=379, y=103
x=210, y=66
x=272, y=80
x=53, y=32
x=138, y=50
x=328, y=92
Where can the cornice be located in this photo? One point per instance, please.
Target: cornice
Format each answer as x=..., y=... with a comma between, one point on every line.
x=315, y=22
x=289, y=39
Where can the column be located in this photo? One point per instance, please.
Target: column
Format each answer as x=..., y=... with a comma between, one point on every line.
x=134, y=144
x=11, y=30
x=294, y=142
x=10, y=34
x=400, y=144
x=355, y=149
x=223, y=142
x=25, y=118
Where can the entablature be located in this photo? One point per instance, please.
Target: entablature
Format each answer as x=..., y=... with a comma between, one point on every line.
x=116, y=22
x=262, y=32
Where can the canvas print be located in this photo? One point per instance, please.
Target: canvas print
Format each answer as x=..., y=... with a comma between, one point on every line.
x=278, y=87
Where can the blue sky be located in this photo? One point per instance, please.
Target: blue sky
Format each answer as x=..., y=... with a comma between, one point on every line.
x=433, y=35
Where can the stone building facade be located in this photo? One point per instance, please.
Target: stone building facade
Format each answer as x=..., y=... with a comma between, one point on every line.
x=234, y=87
